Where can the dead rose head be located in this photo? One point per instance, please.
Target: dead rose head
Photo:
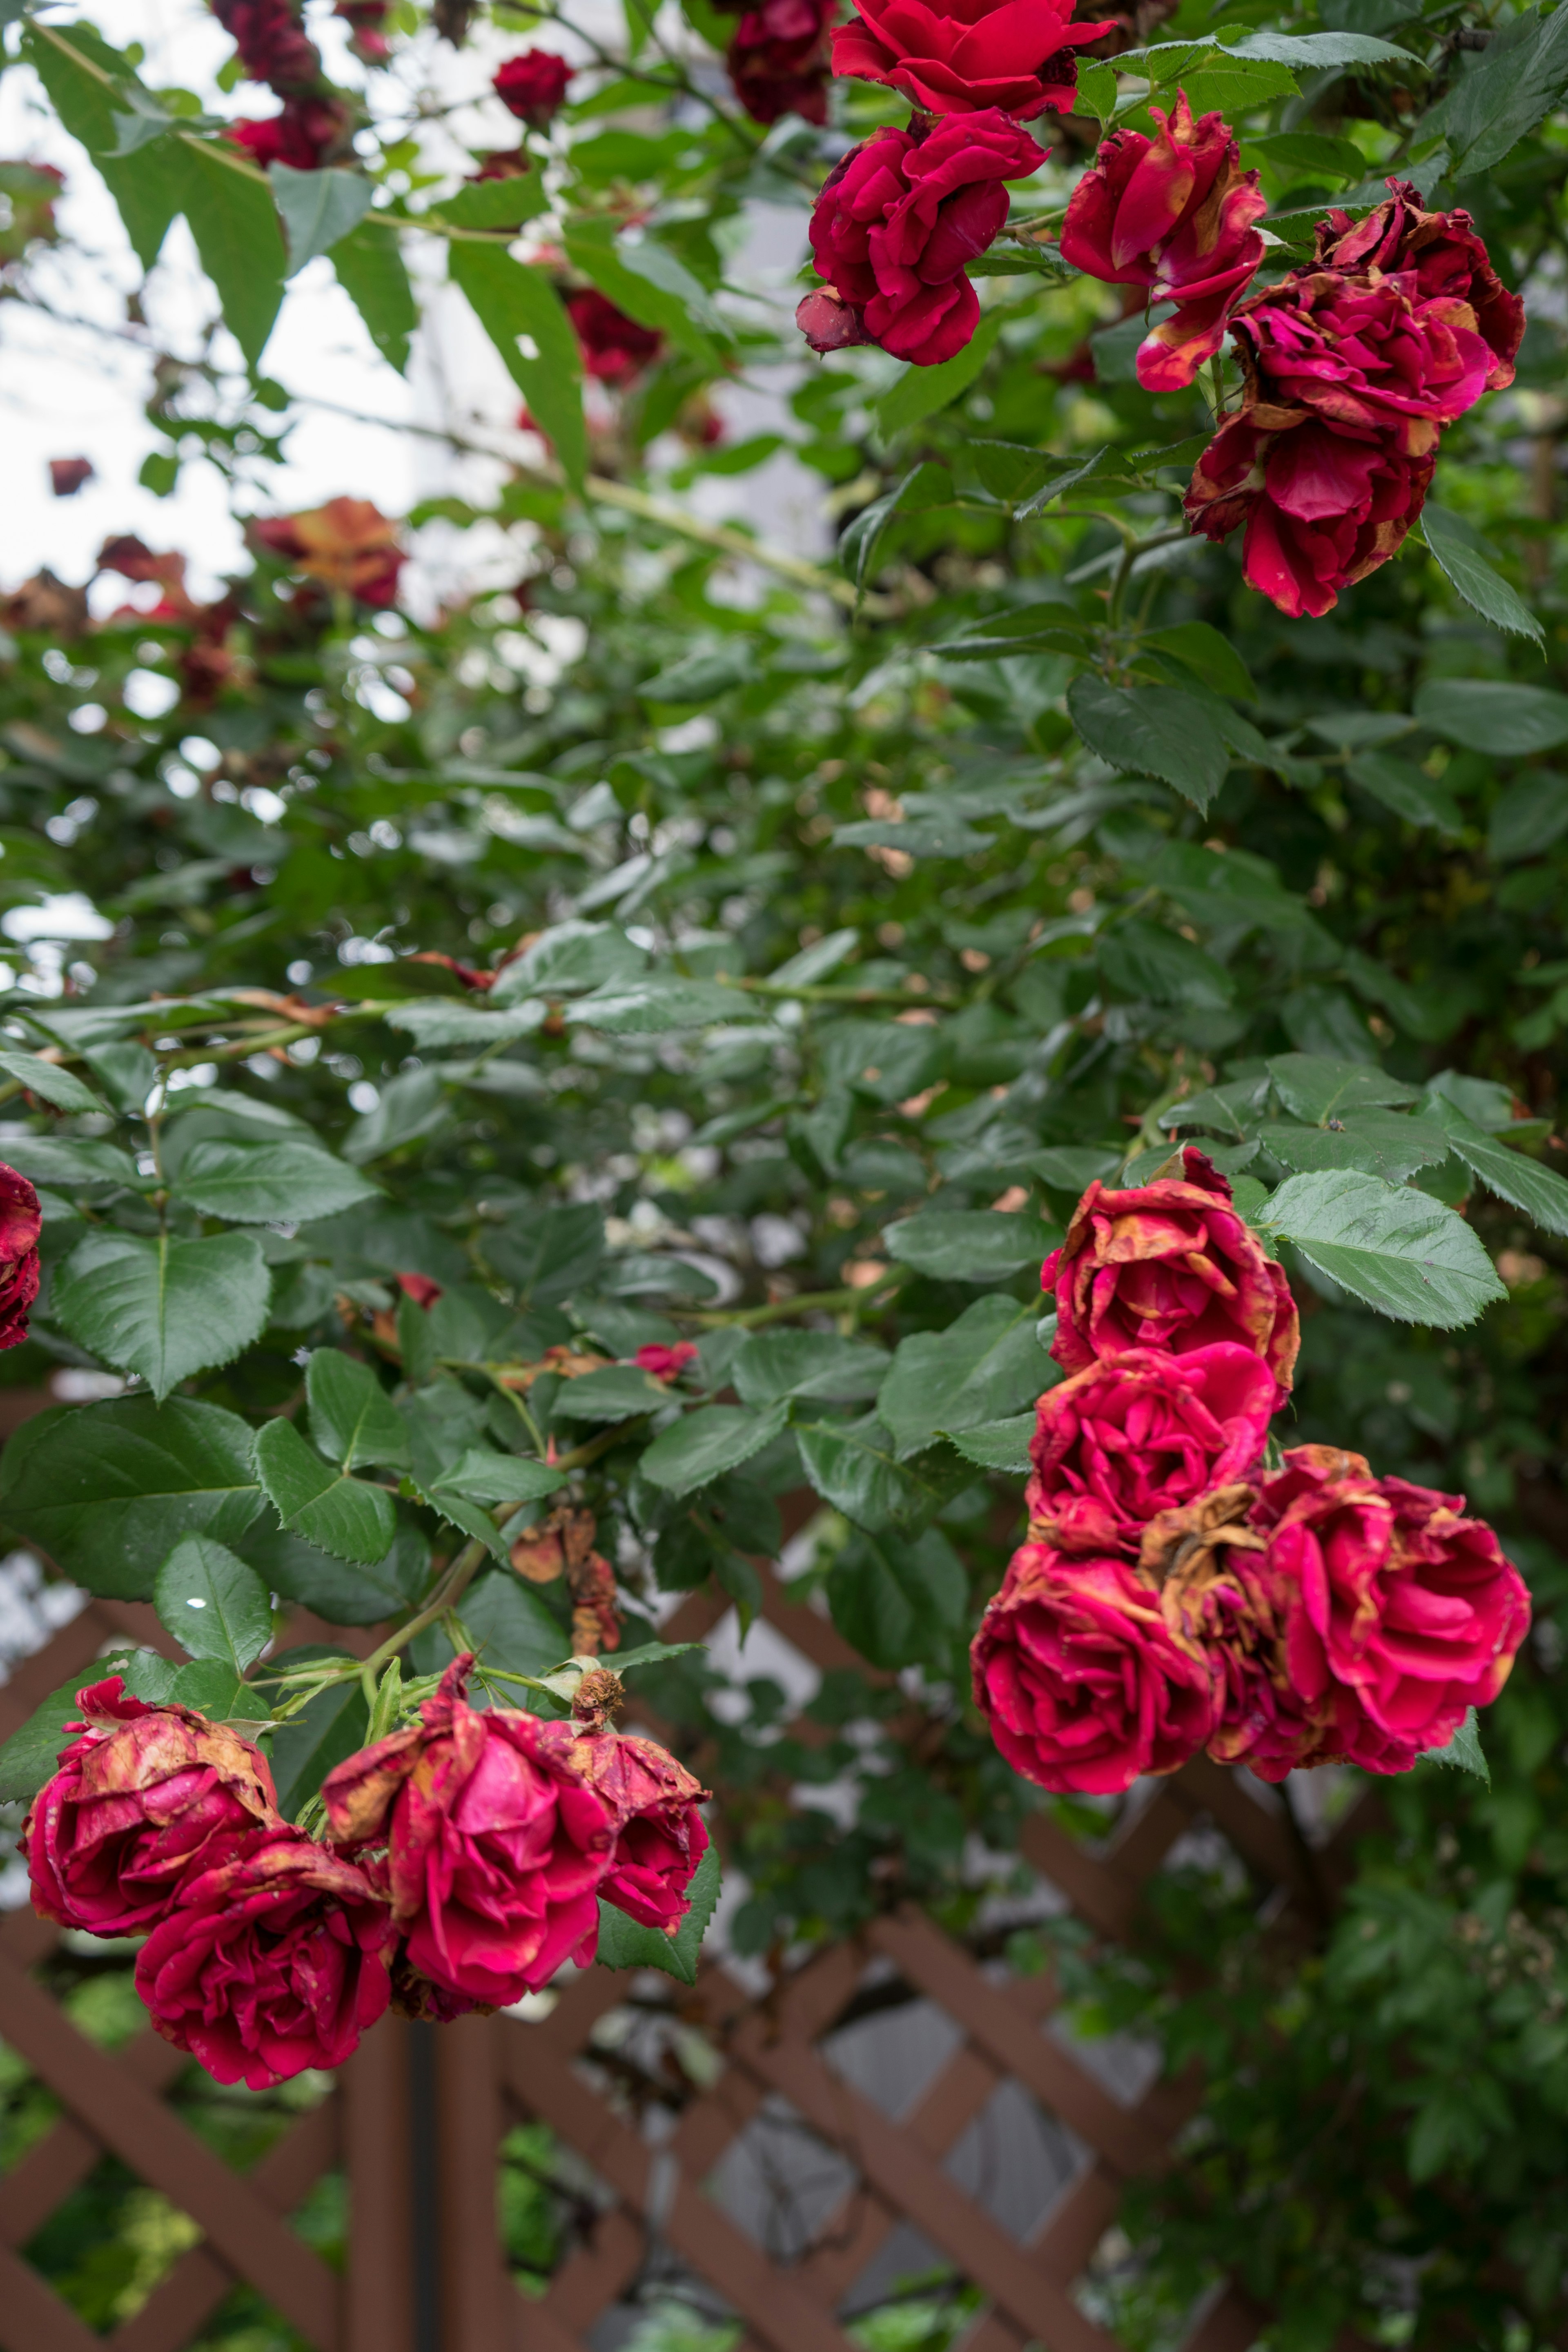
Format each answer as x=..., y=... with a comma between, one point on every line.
x=1135, y=1434
x=1176, y=214
x=145, y=1797
x=660, y=1837
x=496, y=1844
x=1080, y=1678
x=1442, y=254
x=960, y=59
x=272, y=1962
x=1172, y=1266
x=348, y=543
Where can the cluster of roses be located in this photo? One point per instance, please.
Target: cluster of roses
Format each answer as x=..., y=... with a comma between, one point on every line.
x=1173, y=1593
x=464, y=1861
x=314, y=127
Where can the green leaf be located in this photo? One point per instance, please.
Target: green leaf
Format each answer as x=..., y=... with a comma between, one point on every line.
x=341, y=1514
x=1097, y=91
x=925, y=486
x=72, y=1164
x=29, y=1757
x=352, y=1420
x=163, y=1308
x=1527, y=816
x=650, y=1007
x=324, y=1732
x=345, y=1593
x=647, y=281
x=214, y=1606
x=701, y=677
x=1464, y=1750
x=1152, y=730
x=1206, y=651
x=318, y=208
x=920, y=392
x=968, y=1245
x=569, y=957
x=899, y=1600
x=1145, y=960
x=230, y=210
x=997, y=1445
x=623, y=1943
x=985, y=1366
x=1316, y=1088
x=616, y=1393
x=442, y=1023
x=1315, y=52
x=148, y=187
x=515, y=1628
x=1397, y=1251
x=61, y=1087
x=705, y=1444
x=513, y=300
x=1485, y=714
x=773, y=1364
x=290, y=1181
x=548, y=1257
x=1462, y=552
x=107, y=1490
x=1308, y=154
x=852, y=1465
x=495, y=203
x=1405, y=789
x=1540, y=1192
x=1505, y=94
x=373, y=274
x=1379, y=1142
x=485, y=1476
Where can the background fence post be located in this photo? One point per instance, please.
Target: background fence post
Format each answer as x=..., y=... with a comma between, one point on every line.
x=378, y=2129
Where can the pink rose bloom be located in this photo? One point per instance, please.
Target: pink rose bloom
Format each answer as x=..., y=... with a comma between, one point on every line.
x=664, y=1362
x=20, y=1224
x=496, y=1844
x=1014, y=55
x=532, y=86
x=145, y=1798
x=1175, y=214
x=1135, y=1434
x=1349, y=380
x=898, y=218
x=778, y=59
x=660, y=1835
x=1169, y=1265
x=273, y=1962
x=1444, y=255
x=1082, y=1682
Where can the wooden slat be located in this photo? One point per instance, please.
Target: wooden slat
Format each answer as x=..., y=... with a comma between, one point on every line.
x=474, y=2285
x=32, y=2317
x=378, y=2294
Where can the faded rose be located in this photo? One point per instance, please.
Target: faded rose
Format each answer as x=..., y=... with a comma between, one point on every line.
x=1442, y=254
x=533, y=85
x=664, y=1360
x=1084, y=1685
x=778, y=59
x=1138, y=1433
x=1175, y=214
x=20, y=1224
x=144, y=1797
x=275, y=1961
x=496, y=1845
x=660, y=1837
x=1172, y=1266
x=1014, y=55
x=348, y=543
x=614, y=348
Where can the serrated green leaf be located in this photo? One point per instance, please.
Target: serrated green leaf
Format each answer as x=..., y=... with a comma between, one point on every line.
x=343, y=1515
x=231, y=214
x=514, y=300
x=968, y=1245
x=29, y=1757
x=997, y=1444
x=52, y=1085
x=1396, y=1250
x=1462, y=554
x=984, y=1367
x=290, y=1181
x=1463, y=1751
x=616, y=1393
x=1405, y=789
x=1152, y=730
x=773, y=1364
x=1485, y=714
x=373, y=274
x=318, y=208
x=163, y=1308
x=482, y=1476
x=921, y=392
x=1379, y=1142
x=899, y=1600
x=1540, y=1192
x=72, y=1164
x=1315, y=1088
x=214, y=1606
x=853, y=1465
x=352, y=1420
x=703, y=1444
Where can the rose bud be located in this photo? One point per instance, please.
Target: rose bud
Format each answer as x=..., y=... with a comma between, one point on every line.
x=271, y=1963
x=1015, y=55
x=1175, y=214
x=144, y=1797
x=1444, y=255
x=20, y=1225
x=1135, y=1434
x=532, y=86
x=660, y=1837
x=1169, y=1264
x=664, y=1362
x=496, y=1845
x=1082, y=1682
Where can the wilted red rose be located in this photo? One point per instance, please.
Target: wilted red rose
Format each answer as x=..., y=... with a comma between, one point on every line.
x=306, y=135
x=366, y=20
x=496, y=1845
x=1175, y=214
x=1170, y=1264
x=532, y=86
x=20, y=1224
x=1016, y=55
x=1349, y=380
x=660, y=1837
x=273, y=44
x=665, y=1360
x=348, y=543
x=274, y=1961
x=67, y=475
x=1442, y=254
x=1138, y=1433
x=1080, y=1678
x=778, y=59
x=144, y=1797
x=898, y=218
x=614, y=347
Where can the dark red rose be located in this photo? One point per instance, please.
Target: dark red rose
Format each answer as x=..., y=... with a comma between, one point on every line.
x=503, y=163
x=1172, y=1266
x=420, y=1288
x=898, y=218
x=1175, y=214
x=1442, y=254
x=307, y=134
x=665, y=1363
x=1016, y=55
x=274, y=1961
x=496, y=1844
x=660, y=1837
x=614, y=348
x=273, y=44
x=829, y=324
x=1135, y=1434
x=144, y=1797
x=533, y=86
x=1349, y=380
x=778, y=59
x=67, y=475
x=366, y=20
x=20, y=1224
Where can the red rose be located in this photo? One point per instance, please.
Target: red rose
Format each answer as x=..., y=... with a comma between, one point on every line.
x=145, y=1798
x=778, y=59
x=305, y=135
x=423, y=1291
x=20, y=1224
x=660, y=1837
x=1135, y=1434
x=1170, y=1265
x=1012, y=54
x=273, y=1962
x=365, y=20
x=1349, y=382
x=532, y=86
x=663, y=1361
x=1083, y=1684
x=1174, y=214
x=1442, y=254
x=898, y=218
x=496, y=1845
x=614, y=347
x=273, y=45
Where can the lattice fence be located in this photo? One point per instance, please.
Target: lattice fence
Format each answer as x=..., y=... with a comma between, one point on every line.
x=782, y=2159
